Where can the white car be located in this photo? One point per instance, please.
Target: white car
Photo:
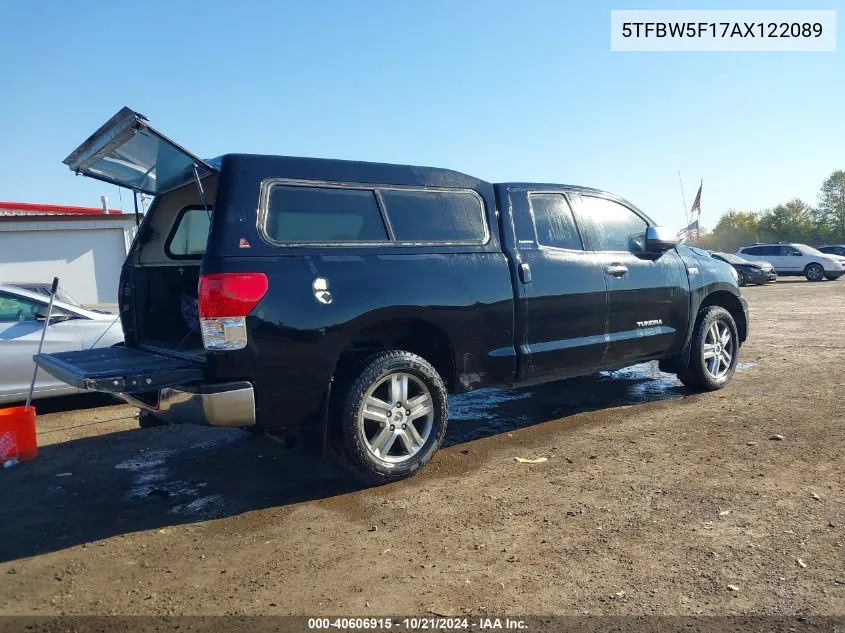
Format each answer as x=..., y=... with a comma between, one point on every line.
x=796, y=259
x=71, y=327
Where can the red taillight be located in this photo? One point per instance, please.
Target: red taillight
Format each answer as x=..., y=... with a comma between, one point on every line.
x=230, y=294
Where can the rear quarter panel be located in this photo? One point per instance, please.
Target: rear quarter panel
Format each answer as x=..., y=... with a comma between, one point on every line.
x=295, y=340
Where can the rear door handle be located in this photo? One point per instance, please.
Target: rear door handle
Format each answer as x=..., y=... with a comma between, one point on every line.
x=615, y=270
x=525, y=273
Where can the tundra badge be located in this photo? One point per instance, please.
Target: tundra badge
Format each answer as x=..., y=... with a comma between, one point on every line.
x=651, y=323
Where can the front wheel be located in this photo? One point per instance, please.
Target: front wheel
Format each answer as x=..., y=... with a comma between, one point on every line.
x=714, y=351
x=394, y=417
x=741, y=279
x=814, y=272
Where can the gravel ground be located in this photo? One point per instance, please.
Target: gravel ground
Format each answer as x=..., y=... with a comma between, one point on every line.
x=653, y=500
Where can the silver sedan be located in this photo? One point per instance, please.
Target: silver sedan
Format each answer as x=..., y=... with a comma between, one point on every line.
x=71, y=327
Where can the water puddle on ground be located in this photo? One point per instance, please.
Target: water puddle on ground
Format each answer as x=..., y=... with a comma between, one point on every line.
x=152, y=478
x=490, y=411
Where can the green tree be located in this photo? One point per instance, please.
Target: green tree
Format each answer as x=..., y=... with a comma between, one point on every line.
x=829, y=215
x=790, y=222
x=734, y=229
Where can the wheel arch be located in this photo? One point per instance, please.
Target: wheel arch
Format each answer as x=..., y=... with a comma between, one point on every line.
x=414, y=335
x=732, y=304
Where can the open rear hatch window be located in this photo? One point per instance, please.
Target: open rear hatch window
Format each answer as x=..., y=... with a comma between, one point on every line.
x=127, y=152
x=119, y=369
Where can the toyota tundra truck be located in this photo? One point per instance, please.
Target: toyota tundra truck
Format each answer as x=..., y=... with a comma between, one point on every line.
x=341, y=301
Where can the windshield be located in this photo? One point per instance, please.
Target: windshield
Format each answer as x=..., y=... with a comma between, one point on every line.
x=731, y=259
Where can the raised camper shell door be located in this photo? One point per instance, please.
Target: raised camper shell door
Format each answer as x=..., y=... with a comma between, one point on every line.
x=127, y=152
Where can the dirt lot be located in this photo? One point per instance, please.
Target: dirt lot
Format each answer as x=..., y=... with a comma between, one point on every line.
x=653, y=500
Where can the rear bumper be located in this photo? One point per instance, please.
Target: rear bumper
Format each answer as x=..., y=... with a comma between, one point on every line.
x=223, y=404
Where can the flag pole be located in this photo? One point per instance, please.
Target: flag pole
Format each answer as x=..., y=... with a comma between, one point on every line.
x=684, y=198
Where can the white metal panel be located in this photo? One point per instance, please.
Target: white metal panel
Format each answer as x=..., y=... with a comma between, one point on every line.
x=86, y=260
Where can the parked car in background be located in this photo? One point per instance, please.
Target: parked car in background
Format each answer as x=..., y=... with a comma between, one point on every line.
x=833, y=249
x=71, y=328
x=796, y=259
x=340, y=301
x=748, y=272
x=43, y=288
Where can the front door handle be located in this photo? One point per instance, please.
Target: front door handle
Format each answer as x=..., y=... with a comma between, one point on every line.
x=525, y=273
x=615, y=270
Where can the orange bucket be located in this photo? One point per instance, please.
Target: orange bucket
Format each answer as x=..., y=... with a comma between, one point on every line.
x=17, y=434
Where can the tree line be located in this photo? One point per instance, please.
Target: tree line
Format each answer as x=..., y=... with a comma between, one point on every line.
x=793, y=221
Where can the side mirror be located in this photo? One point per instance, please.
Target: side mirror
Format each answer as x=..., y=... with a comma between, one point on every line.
x=659, y=239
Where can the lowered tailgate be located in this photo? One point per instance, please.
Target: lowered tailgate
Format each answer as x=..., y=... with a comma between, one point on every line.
x=119, y=369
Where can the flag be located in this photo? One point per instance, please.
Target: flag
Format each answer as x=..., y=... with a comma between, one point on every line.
x=689, y=232
x=696, y=204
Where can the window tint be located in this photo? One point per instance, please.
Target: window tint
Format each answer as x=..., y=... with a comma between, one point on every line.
x=759, y=251
x=434, y=216
x=13, y=308
x=789, y=251
x=617, y=228
x=553, y=221
x=323, y=214
x=191, y=234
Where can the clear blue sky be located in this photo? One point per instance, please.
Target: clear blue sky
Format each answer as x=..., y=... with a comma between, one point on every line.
x=501, y=90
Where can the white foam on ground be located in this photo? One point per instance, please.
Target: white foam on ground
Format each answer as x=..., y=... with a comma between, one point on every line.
x=150, y=473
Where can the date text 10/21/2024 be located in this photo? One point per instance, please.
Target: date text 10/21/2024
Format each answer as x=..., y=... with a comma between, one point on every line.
x=417, y=624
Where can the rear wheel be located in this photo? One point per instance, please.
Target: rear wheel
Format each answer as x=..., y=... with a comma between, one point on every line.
x=831, y=277
x=394, y=417
x=714, y=351
x=814, y=272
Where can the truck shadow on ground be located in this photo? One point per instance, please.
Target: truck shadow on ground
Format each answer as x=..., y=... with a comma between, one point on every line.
x=101, y=486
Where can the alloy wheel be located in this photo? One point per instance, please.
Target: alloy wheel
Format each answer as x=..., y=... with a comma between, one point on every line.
x=718, y=351
x=396, y=418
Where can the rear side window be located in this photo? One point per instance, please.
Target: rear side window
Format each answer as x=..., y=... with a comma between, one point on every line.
x=553, y=221
x=190, y=234
x=758, y=251
x=434, y=216
x=323, y=214
x=617, y=228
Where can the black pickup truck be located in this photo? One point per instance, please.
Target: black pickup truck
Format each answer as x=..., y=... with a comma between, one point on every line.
x=343, y=300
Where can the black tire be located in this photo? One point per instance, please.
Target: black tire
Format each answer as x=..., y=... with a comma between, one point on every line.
x=814, y=272
x=696, y=374
x=375, y=372
x=831, y=277
x=148, y=419
x=741, y=279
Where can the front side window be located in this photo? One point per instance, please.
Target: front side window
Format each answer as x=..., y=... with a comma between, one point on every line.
x=553, y=221
x=418, y=215
x=323, y=214
x=617, y=228
x=190, y=236
x=14, y=308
